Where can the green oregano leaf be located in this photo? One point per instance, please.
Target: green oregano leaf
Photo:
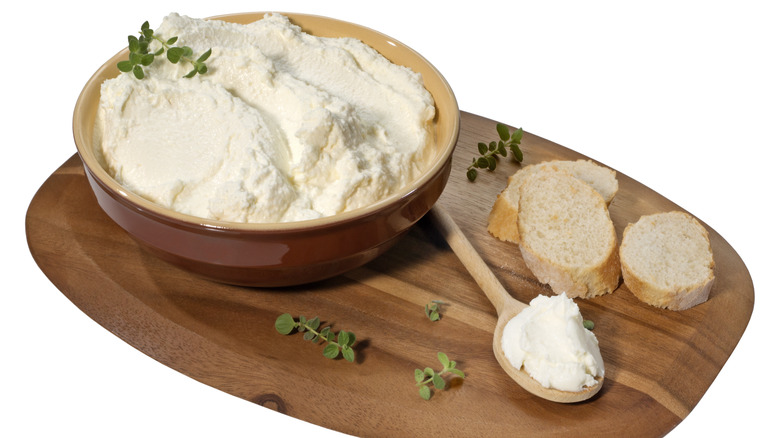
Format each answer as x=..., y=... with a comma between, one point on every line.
x=285, y=324
x=489, y=152
x=348, y=353
x=335, y=344
x=204, y=56
x=138, y=72
x=140, y=57
x=503, y=131
x=428, y=376
x=331, y=351
x=125, y=66
x=445, y=361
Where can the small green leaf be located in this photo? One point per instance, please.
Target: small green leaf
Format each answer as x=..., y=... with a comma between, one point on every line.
x=482, y=148
x=138, y=72
x=445, y=361
x=425, y=392
x=471, y=174
x=419, y=376
x=309, y=336
x=429, y=371
x=516, y=152
x=285, y=324
x=136, y=58
x=588, y=324
x=186, y=51
x=172, y=40
x=492, y=163
x=145, y=25
x=132, y=43
x=124, y=66
x=202, y=69
x=517, y=135
x=147, y=59
x=349, y=353
x=174, y=54
x=342, y=338
x=331, y=351
x=438, y=382
x=204, y=56
x=352, y=339
x=503, y=131
x=434, y=316
x=313, y=323
x=492, y=145
x=482, y=162
x=459, y=373
x=192, y=73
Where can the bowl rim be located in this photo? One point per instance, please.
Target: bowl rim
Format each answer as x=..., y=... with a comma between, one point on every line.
x=147, y=206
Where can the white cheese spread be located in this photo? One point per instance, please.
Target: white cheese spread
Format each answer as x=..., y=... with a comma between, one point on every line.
x=549, y=340
x=284, y=126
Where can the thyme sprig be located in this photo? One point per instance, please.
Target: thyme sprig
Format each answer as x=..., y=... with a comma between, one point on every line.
x=335, y=343
x=428, y=376
x=141, y=57
x=489, y=152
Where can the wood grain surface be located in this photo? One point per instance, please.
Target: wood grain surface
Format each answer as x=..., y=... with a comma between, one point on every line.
x=659, y=363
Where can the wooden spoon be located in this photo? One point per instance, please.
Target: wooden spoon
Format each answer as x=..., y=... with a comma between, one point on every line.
x=506, y=308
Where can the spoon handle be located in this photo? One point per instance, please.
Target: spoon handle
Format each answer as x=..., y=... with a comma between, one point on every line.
x=470, y=258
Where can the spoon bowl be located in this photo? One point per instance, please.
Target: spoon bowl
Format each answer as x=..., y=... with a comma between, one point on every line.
x=506, y=307
x=511, y=309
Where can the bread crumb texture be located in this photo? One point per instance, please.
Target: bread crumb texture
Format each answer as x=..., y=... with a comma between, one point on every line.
x=667, y=261
x=566, y=235
x=502, y=221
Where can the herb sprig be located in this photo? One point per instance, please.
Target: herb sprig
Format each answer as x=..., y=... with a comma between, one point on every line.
x=433, y=311
x=426, y=377
x=141, y=57
x=335, y=344
x=489, y=152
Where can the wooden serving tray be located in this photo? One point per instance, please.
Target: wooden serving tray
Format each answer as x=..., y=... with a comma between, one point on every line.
x=659, y=363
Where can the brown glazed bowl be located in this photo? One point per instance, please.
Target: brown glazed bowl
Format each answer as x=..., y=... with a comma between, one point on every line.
x=279, y=254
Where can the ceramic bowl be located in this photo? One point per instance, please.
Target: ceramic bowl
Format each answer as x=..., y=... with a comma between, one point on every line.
x=277, y=254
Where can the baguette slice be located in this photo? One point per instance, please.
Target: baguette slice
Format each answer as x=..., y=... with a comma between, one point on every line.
x=667, y=260
x=502, y=220
x=567, y=238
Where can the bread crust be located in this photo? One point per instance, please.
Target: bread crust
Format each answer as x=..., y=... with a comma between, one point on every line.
x=582, y=283
x=502, y=221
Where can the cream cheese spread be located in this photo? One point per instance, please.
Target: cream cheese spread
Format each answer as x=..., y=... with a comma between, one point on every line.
x=285, y=126
x=549, y=340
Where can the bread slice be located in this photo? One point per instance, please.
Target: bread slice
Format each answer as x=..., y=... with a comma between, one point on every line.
x=667, y=260
x=566, y=235
x=502, y=220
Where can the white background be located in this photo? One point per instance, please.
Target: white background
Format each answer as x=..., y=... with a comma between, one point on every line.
x=681, y=95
